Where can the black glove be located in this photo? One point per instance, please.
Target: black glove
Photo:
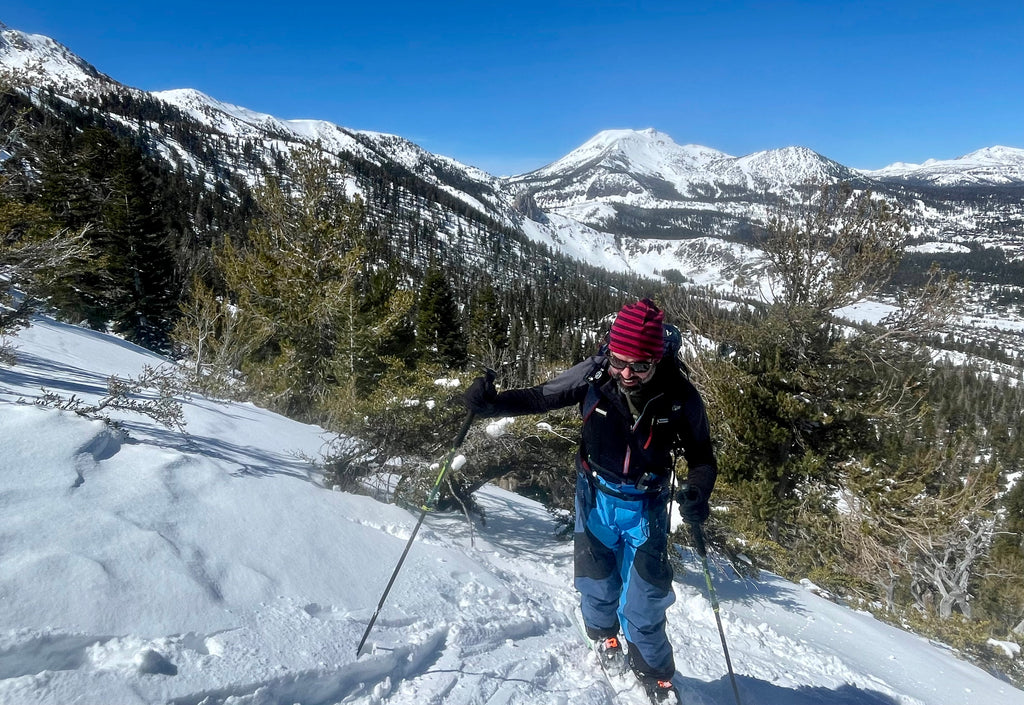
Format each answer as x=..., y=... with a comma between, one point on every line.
x=693, y=504
x=481, y=396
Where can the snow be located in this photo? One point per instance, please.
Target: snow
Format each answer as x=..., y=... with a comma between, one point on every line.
x=41, y=58
x=499, y=427
x=1010, y=648
x=608, y=163
x=990, y=165
x=646, y=151
x=212, y=567
x=935, y=247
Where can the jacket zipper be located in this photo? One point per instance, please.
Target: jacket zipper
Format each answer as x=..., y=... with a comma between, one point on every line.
x=639, y=418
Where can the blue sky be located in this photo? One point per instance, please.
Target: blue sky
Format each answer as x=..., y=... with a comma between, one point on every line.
x=512, y=86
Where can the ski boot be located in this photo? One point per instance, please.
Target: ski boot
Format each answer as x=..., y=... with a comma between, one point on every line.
x=661, y=692
x=610, y=655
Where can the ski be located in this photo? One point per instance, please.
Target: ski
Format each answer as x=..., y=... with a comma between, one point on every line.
x=626, y=688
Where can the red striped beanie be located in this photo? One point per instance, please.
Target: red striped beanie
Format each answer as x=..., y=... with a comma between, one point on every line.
x=638, y=331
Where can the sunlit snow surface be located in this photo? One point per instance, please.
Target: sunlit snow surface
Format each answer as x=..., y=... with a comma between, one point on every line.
x=213, y=568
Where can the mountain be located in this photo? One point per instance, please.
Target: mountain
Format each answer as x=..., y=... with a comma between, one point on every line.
x=627, y=202
x=212, y=567
x=647, y=169
x=50, y=63
x=381, y=149
x=992, y=166
x=642, y=183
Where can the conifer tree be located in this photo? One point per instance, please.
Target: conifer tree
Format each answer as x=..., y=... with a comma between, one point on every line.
x=439, y=323
x=488, y=326
x=99, y=185
x=34, y=249
x=297, y=286
x=142, y=253
x=800, y=392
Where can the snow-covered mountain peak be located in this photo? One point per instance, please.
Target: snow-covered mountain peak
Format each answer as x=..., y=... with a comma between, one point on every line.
x=997, y=154
x=43, y=60
x=646, y=169
x=623, y=140
x=225, y=117
x=793, y=165
x=645, y=151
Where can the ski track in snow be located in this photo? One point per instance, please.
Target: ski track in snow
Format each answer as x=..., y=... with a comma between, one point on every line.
x=488, y=646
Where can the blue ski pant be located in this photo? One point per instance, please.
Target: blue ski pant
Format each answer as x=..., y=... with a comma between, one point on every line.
x=622, y=570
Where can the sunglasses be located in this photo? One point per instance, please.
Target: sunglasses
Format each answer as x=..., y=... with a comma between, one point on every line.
x=634, y=367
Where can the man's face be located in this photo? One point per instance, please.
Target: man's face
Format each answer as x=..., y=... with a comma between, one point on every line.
x=629, y=372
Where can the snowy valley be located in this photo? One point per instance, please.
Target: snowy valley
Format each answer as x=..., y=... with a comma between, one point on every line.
x=632, y=202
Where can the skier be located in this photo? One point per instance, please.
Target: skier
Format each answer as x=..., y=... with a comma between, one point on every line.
x=637, y=409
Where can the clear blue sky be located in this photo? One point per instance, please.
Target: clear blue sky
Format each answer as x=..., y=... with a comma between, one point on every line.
x=512, y=86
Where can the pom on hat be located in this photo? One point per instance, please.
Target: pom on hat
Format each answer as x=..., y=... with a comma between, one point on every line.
x=638, y=331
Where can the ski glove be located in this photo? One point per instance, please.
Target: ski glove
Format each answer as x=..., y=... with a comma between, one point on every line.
x=481, y=397
x=693, y=504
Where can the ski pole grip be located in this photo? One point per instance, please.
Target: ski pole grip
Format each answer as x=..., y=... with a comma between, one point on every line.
x=698, y=539
x=464, y=431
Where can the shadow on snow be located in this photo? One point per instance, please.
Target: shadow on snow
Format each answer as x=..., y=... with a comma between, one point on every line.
x=753, y=690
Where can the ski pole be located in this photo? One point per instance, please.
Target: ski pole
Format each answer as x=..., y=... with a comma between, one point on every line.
x=427, y=506
x=702, y=551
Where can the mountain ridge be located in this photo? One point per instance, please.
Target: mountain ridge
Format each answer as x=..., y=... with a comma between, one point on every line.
x=21, y=50
x=997, y=165
x=617, y=201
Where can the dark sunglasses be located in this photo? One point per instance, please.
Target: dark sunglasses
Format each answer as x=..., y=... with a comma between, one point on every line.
x=634, y=367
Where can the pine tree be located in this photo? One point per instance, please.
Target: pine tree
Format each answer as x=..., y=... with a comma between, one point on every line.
x=801, y=394
x=105, y=188
x=488, y=326
x=308, y=330
x=142, y=253
x=33, y=250
x=439, y=323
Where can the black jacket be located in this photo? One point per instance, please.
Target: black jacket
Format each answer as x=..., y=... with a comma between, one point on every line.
x=614, y=444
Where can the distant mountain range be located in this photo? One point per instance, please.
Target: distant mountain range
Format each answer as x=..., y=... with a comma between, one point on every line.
x=996, y=166
x=626, y=200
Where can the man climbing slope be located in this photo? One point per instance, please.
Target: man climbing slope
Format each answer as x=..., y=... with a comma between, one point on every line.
x=637, y=407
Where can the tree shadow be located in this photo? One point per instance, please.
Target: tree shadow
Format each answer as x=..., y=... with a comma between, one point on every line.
x=37, y=372
x=732, y=587
x=515, y=527
x=755, y=690
x=251, y=461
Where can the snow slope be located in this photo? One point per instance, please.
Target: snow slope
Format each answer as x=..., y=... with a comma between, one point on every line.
x=41, y=58
x=212, y=568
